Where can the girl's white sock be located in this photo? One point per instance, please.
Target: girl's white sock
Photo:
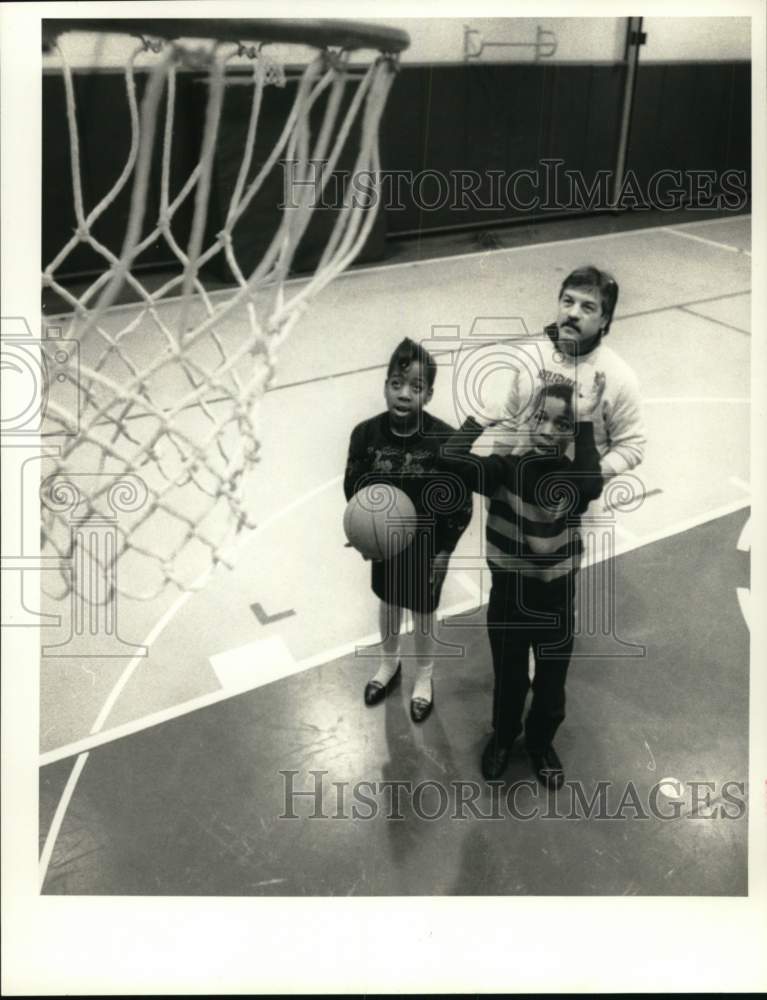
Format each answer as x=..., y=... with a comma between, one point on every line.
x=423, y=688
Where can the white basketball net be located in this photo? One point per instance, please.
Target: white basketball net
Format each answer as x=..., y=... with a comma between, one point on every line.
x=168, y=398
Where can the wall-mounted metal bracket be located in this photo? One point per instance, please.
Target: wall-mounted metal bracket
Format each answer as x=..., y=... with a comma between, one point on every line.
x=474, y=45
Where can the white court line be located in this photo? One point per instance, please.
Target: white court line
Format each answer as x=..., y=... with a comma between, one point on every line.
x=741, y=484
x=127, y=673
x=713, y=243
x=95, y=740
x=357, y=272
x=744, y=542
x=58, y=817
x=182, y=599
x=744, y=601
x=620, y=530
x=744, y=593
x=125, y=676
x=529, y=246
x=712, y=222
x=81, y=747
x=165, y=715
x=677, y=529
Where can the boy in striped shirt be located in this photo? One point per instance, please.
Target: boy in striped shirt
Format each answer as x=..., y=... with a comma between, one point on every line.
x=537, y=494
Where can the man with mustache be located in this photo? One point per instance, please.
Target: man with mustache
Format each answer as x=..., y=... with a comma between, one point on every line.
x=573, y=353
x=531, y=598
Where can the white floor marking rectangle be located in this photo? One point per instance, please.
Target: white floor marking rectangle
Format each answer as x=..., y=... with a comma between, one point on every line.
x=253, y=665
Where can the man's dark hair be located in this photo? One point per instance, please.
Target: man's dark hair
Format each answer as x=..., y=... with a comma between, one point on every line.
x=408, y=352
x=601, y=281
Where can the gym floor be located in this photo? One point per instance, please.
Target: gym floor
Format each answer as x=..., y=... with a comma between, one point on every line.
x=164, y=765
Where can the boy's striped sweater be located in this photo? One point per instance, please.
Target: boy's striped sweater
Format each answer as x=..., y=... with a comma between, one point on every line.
x=535, y=501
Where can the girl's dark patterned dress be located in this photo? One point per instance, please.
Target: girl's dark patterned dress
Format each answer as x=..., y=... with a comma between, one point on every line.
x=441, y=499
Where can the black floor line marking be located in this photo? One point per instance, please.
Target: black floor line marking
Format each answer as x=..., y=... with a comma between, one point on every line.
x=720, y=322
x=265, y=619
x=382, y=366
x=681, y=305
x=618, y=319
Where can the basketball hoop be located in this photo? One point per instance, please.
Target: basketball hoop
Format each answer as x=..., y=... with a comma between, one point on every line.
x=166, y=428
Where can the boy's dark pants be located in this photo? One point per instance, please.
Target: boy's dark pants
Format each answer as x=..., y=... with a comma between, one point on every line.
x=524, y=612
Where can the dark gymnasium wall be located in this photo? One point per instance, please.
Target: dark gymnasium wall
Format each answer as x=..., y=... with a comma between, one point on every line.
x=481, y=118
x=514, y=117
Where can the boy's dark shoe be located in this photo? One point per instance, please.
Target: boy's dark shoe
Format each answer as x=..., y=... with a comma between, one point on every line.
x=495, y=759
x=375, y=691
x=548, y=768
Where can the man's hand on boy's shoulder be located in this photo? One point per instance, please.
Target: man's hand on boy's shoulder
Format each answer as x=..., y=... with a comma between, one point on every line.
x=493, y=413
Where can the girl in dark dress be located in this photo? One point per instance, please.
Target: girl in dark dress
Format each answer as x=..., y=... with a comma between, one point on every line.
x=401, y=447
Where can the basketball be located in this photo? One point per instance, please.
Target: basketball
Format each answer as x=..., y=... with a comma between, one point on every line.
x=379, y=521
